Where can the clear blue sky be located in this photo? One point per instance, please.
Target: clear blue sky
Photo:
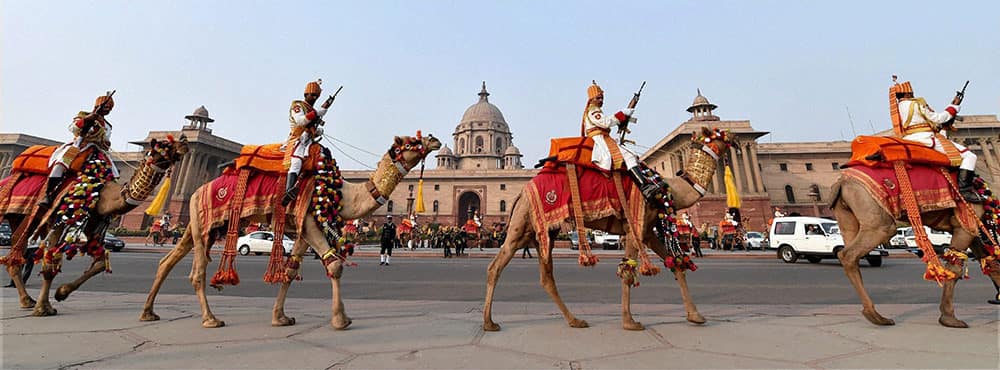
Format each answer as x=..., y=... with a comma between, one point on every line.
x=791, y=67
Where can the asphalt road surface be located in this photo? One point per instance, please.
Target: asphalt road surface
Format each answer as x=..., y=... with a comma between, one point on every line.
x=717, y=281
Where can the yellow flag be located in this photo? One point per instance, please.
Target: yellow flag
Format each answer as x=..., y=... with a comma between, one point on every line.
x=160, y=200
x=419, y=207
x=732, y=195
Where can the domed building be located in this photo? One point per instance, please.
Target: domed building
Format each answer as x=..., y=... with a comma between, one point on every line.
x=481, y=138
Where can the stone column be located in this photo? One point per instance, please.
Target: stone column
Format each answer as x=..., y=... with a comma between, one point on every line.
x=737, y=173
x=747, y=170
x=189, y=177
x=989, y=154
x=754, y=161
x=179, y=175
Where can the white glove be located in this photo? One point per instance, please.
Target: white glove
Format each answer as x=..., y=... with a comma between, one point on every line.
x=321, y=112
x=319, y=134
x=628, y=111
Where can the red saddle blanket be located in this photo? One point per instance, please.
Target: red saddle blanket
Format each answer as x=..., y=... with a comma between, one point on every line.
x=23, y=195
x=550, y=195
x=262, y=194
x=930, y=187
x=891, y=149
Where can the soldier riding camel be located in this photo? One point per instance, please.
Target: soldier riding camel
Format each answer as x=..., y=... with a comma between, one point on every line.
x=306, y=122
x=91, y=131
x=607, y=154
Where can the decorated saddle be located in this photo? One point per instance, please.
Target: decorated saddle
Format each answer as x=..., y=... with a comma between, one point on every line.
x=882, y=151
x=270, y=158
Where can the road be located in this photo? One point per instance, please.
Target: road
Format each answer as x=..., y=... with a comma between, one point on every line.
x=717, y=281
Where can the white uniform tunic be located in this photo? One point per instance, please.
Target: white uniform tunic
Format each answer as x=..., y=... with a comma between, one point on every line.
x=920, y=126
x=598, y=125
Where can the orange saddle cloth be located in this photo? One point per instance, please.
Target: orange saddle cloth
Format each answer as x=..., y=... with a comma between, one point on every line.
x=881, y=151
x=34, y=159
x=575, y=149
x=270, y=158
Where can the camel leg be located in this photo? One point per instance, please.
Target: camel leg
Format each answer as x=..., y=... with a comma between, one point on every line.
x=22, y=292
x=278, y=317
x=691, y=310
x=862, y=236
x=629, y=323
x=198, y=273
x=496, y=267
x=959, y=240
x=167, y=264
x=315, y=238
x=42, y=306
x=97, y=266
x=549, y=283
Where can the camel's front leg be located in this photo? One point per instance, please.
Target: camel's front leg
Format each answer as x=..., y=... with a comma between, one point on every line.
x=15, y=276
x=167, y=264
x=335, y=269
x=98, y=265
x=693, y=315
x=43, y=307
x=549, y=283
x=197, y=277
x=493, y=272
x=947, y=306
x=278, y=317
x=629, y=323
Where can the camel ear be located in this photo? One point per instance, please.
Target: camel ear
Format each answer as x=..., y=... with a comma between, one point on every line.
x=398, y=140
x=706, y=131
x=152, y=142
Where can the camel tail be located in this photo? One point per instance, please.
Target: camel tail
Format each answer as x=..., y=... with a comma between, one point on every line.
x=835, y=193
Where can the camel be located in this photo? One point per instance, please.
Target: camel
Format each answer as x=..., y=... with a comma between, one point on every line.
x=864, y=225
x=358, y=202
x=521, y=233
x=114, y=199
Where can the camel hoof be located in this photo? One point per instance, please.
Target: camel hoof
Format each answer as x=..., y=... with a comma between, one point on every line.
x=577, y=323
x=342, y=324
x=633, y=325
x=213, y=323
x=62, y=293
x=696, y=318
x=283, y=321
x=44, y=311
x=149, y=316
x=27, y=302
x=877, y=319
x=952, y=322
x=491, y=326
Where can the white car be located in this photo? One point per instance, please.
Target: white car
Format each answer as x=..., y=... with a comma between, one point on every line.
x=939, y=239
x=259, y=242
x=607, y=241
x=813, y=238
x=755, y=240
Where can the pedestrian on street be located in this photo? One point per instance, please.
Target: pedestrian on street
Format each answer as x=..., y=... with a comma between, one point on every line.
x=526, y=250
x=387, y=239
x=696, y=242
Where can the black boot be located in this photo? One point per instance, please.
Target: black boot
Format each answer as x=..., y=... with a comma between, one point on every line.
x=290, y=189
x=50, y=191
x=648, y=188
x=965, y=189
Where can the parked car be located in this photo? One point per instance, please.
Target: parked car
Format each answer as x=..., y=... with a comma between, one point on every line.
x=5, y=233
x=899, y=239
x=575, y=241
x=259, y=242
x=606, y=240
x=940, y=240
x=112, y=243
x=755, y=240
x=814, y=239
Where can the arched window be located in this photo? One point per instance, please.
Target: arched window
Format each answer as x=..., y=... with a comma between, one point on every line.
x=790, y=194
x=499, y=147
x=435, y=209
x=814, y=192
x=479, y=144
x=461, y=145
x=503, y=206
x=388, y=207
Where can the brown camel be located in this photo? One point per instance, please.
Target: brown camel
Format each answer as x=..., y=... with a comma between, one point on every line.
x=357, y=203
x=521, y=233
x=864, y=225
x=115, y=199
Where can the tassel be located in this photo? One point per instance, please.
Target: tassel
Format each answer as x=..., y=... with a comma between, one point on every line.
x=419, y=207
x=160, y=200
x=732, y=195
x=276, y=265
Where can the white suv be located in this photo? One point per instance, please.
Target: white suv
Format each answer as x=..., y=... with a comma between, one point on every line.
x=813, y=238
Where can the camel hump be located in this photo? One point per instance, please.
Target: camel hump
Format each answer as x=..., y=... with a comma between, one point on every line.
x=35, y=159
x=881, y=151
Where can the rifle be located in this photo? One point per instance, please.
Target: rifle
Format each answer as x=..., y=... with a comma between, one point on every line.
x=623, y=128
x=329, y=102
x=959, y=96
x=87, y=125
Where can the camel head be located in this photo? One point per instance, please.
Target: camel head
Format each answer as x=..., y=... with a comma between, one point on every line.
x=164, y=153
x=411, y=150
x=715, y=139
x=705, y=152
